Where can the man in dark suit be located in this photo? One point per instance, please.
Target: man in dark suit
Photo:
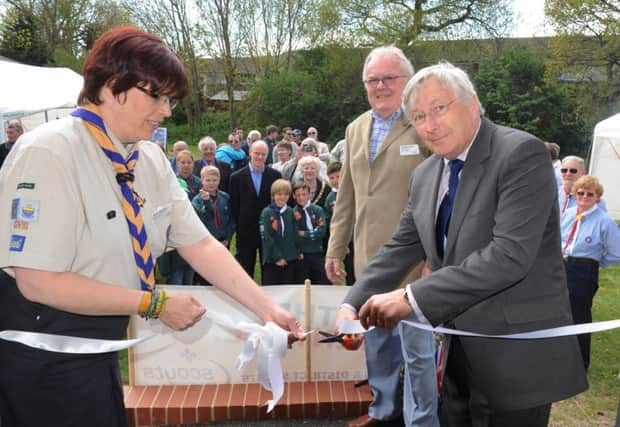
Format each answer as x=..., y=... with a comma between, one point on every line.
x=207, y=147
x=490, y=233
x=250, y=193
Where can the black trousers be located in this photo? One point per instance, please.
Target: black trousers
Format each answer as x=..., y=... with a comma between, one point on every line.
x=312, y=267
x=463, y=405
x=582, y=280
x=276, y=275
x=246, y=253
x=41, y=388
x=349, y=266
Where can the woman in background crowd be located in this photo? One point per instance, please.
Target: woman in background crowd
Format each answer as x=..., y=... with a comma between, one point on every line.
x=590, y=239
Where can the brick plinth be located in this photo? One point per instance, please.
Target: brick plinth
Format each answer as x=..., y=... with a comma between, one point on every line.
x=190, y=404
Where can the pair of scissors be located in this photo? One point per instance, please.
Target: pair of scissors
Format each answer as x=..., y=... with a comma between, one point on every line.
x=344, y=339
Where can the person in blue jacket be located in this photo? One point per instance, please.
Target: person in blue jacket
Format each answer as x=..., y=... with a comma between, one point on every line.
x=590, y=239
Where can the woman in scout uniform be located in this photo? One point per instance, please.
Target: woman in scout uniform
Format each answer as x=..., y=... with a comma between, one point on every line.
x=80, y=243
x=590, y=239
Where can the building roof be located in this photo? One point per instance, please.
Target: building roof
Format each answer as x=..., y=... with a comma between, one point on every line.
x=238, y=95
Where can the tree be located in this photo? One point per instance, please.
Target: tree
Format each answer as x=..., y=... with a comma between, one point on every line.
x=20, y=39
x=513, y=90
x=323, y=88
x=221, y=40
x=169, y=19
x=371, y=22
x=586, y=53
x=271, y=31
x=67, y=28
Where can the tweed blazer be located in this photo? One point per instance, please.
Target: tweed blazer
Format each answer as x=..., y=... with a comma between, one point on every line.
x=372, y=195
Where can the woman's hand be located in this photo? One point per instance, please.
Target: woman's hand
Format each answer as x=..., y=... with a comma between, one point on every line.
x=182, y=311
x=287, y=321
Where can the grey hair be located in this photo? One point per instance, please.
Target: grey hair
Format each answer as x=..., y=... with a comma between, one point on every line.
x=449, y=76
x=310, y=159
x=16, y=126
x=254, y=133
x=577, y=159
x=206, y=140
x=382, y=51
x=310, y=141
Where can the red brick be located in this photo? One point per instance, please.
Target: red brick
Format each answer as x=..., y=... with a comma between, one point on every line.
x=353, y=399
x=220, y=402
x=263, y=397
x=173, y=415
x=281, y=410
x=251, y=405
x=324, y=394
x=206, y=413
x=311, y=400
x=144, y=405
x=295, y=400
x=189, y=408
x=160, y=404
x=339, y=400
x=365, y=396
x=237, y=398
x=132, y=395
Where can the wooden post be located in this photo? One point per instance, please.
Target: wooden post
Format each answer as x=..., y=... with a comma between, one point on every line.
x=308, y=327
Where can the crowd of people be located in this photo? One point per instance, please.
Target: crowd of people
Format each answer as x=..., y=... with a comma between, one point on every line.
x=486, y=237
x=236, y=189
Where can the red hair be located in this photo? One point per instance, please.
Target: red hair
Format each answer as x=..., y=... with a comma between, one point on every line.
x=125, y=56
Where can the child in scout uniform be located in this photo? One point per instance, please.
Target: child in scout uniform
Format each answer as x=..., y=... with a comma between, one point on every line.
x=278, y=236
x=333, y=173
x=213, y=208
x=310, y=221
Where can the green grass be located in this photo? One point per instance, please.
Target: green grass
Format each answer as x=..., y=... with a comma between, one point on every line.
x=597, y=406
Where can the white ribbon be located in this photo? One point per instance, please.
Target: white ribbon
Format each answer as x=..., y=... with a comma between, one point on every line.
x=355, y=327
x=68, y=344
x=268, y=343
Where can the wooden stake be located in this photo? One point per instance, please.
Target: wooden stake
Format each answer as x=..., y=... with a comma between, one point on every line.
x=308, y=326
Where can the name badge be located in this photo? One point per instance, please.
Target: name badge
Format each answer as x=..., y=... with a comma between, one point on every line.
x=409, y=150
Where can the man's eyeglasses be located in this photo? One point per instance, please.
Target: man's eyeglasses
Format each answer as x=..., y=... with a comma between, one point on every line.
x=582, y=193
x=160, y=99
x=571, y=170
x=387, y=80
x=438, y=110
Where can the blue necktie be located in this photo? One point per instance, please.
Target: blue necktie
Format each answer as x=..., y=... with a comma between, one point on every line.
x=445, y=209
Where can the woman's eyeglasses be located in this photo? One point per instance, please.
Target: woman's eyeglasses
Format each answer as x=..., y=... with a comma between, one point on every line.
x=160, y=99
x=582, y=193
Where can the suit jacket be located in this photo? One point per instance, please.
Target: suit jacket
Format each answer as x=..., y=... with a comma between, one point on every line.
x=502, y=271
x=224, y=169
x=372, y=195
x=246, y=206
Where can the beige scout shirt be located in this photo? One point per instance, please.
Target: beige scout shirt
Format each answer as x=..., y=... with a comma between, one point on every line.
x=60, y=206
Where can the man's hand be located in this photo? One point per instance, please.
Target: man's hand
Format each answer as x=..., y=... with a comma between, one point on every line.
x=182, y=311
x=353, y=341
x=334, y=273
x=385, y=310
